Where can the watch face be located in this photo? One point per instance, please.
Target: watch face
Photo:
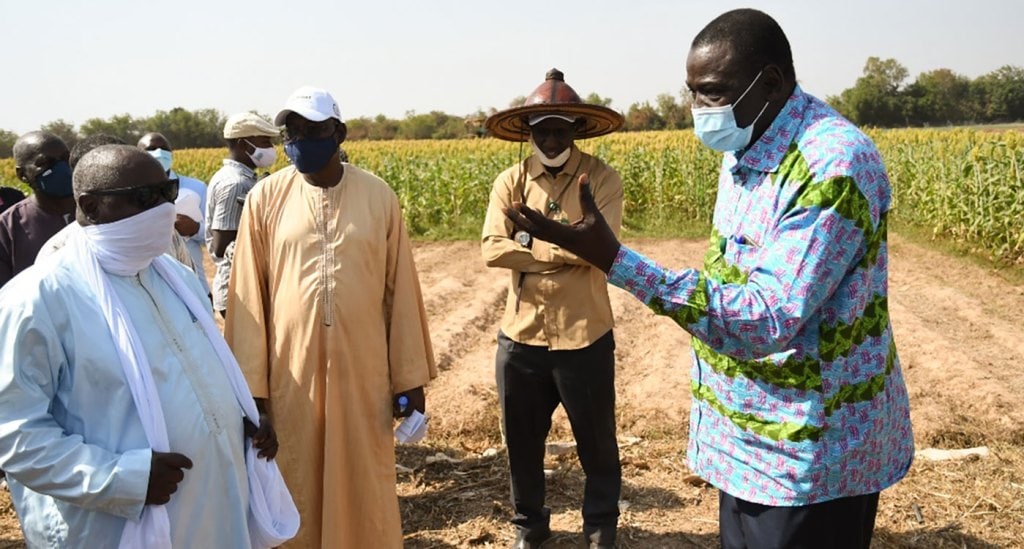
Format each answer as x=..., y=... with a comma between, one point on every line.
x=523, y=238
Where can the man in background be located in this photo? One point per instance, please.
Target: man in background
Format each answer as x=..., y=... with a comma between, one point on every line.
x=250, y=148
x=159, y=147
x=41, y=162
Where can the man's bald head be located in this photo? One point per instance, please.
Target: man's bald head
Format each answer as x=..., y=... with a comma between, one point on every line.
x=154, y=140
x=32, y=144
x=34, y=154
x=112, y=167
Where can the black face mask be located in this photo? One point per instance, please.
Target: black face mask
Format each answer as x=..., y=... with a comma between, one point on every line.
x=56, y=181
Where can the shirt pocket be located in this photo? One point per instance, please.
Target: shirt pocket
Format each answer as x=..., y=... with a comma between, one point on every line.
x=742, y=253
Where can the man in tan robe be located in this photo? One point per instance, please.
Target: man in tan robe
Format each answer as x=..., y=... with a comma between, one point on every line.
x=326, y=318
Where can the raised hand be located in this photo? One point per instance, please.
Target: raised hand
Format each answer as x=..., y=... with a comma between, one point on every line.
x=165, y=472
x=590, y=237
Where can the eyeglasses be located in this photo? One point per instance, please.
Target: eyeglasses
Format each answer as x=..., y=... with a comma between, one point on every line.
x=313, y=130
x=144, y=196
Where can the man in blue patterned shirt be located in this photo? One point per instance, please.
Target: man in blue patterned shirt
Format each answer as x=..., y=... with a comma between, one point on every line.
x=800, y=415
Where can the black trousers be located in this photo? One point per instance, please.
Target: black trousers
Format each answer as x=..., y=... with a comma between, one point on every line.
x=532, y=382
x=845, y=523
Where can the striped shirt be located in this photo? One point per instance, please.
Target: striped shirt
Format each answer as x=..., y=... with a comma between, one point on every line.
x=798, y=396
x=223, y=212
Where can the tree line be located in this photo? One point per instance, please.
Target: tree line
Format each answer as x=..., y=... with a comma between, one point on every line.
x=883, y=97
x=185, y=129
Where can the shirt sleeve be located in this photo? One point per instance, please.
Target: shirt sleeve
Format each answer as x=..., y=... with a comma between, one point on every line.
x=498, y=247
x=410, y=355
x=226, y=209
x=752, y=314
x=35, y=450
x=248, y=302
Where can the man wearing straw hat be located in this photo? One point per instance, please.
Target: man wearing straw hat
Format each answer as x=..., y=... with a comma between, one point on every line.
x=556, y=344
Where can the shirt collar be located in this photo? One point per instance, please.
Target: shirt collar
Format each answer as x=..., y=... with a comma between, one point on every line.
x=246, y=170
x=536, y=169
x=767, y=152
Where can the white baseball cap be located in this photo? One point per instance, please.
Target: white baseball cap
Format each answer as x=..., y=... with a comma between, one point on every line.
x=313, y=104
x=538, y=118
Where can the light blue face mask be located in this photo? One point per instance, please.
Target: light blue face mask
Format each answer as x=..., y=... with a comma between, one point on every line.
x=163, y=156
x=716, y=126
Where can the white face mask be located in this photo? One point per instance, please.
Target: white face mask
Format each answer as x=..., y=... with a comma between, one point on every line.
x=164, y=157
x=555, y=162
x=716, y=126
x=129, y=245
x=262, y=157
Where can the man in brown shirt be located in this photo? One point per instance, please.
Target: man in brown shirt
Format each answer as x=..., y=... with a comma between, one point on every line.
x=556, y=344
x=41, y=161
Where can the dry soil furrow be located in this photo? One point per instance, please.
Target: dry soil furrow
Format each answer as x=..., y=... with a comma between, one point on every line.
x=461, y=295
x=958, y=333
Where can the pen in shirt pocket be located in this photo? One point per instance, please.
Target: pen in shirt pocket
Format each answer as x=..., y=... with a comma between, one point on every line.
x=744, y=240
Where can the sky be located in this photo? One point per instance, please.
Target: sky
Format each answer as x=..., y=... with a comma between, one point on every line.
x=80, y=59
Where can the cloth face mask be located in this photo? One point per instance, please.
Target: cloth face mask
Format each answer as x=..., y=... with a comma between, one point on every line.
x=56, y=181
x=129, y=245
x=311, y=155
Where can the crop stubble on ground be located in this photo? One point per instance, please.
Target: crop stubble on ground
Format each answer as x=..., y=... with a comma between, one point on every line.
x=961, y=343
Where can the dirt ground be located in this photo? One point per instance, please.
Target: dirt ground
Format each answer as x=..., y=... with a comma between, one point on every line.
x=961, y=342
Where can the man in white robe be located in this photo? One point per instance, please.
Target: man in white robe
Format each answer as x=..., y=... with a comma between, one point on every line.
x=76, y=453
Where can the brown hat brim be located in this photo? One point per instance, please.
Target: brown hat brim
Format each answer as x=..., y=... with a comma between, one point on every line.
x=511, y=124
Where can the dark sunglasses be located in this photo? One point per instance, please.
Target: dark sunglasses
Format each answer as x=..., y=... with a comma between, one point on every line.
x=144, y=196
x=313, y=130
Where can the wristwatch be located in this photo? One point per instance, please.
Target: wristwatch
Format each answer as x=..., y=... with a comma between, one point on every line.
x=523, y=238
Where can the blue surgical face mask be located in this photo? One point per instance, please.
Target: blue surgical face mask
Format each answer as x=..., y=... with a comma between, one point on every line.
x=163, y=156
x=716, y=126
x=56, y=181
x=311, y=155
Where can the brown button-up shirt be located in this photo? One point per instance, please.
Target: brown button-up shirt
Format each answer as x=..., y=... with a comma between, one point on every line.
x=563, y=300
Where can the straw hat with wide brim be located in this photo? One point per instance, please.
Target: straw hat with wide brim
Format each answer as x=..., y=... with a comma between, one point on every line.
x=554, y=96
